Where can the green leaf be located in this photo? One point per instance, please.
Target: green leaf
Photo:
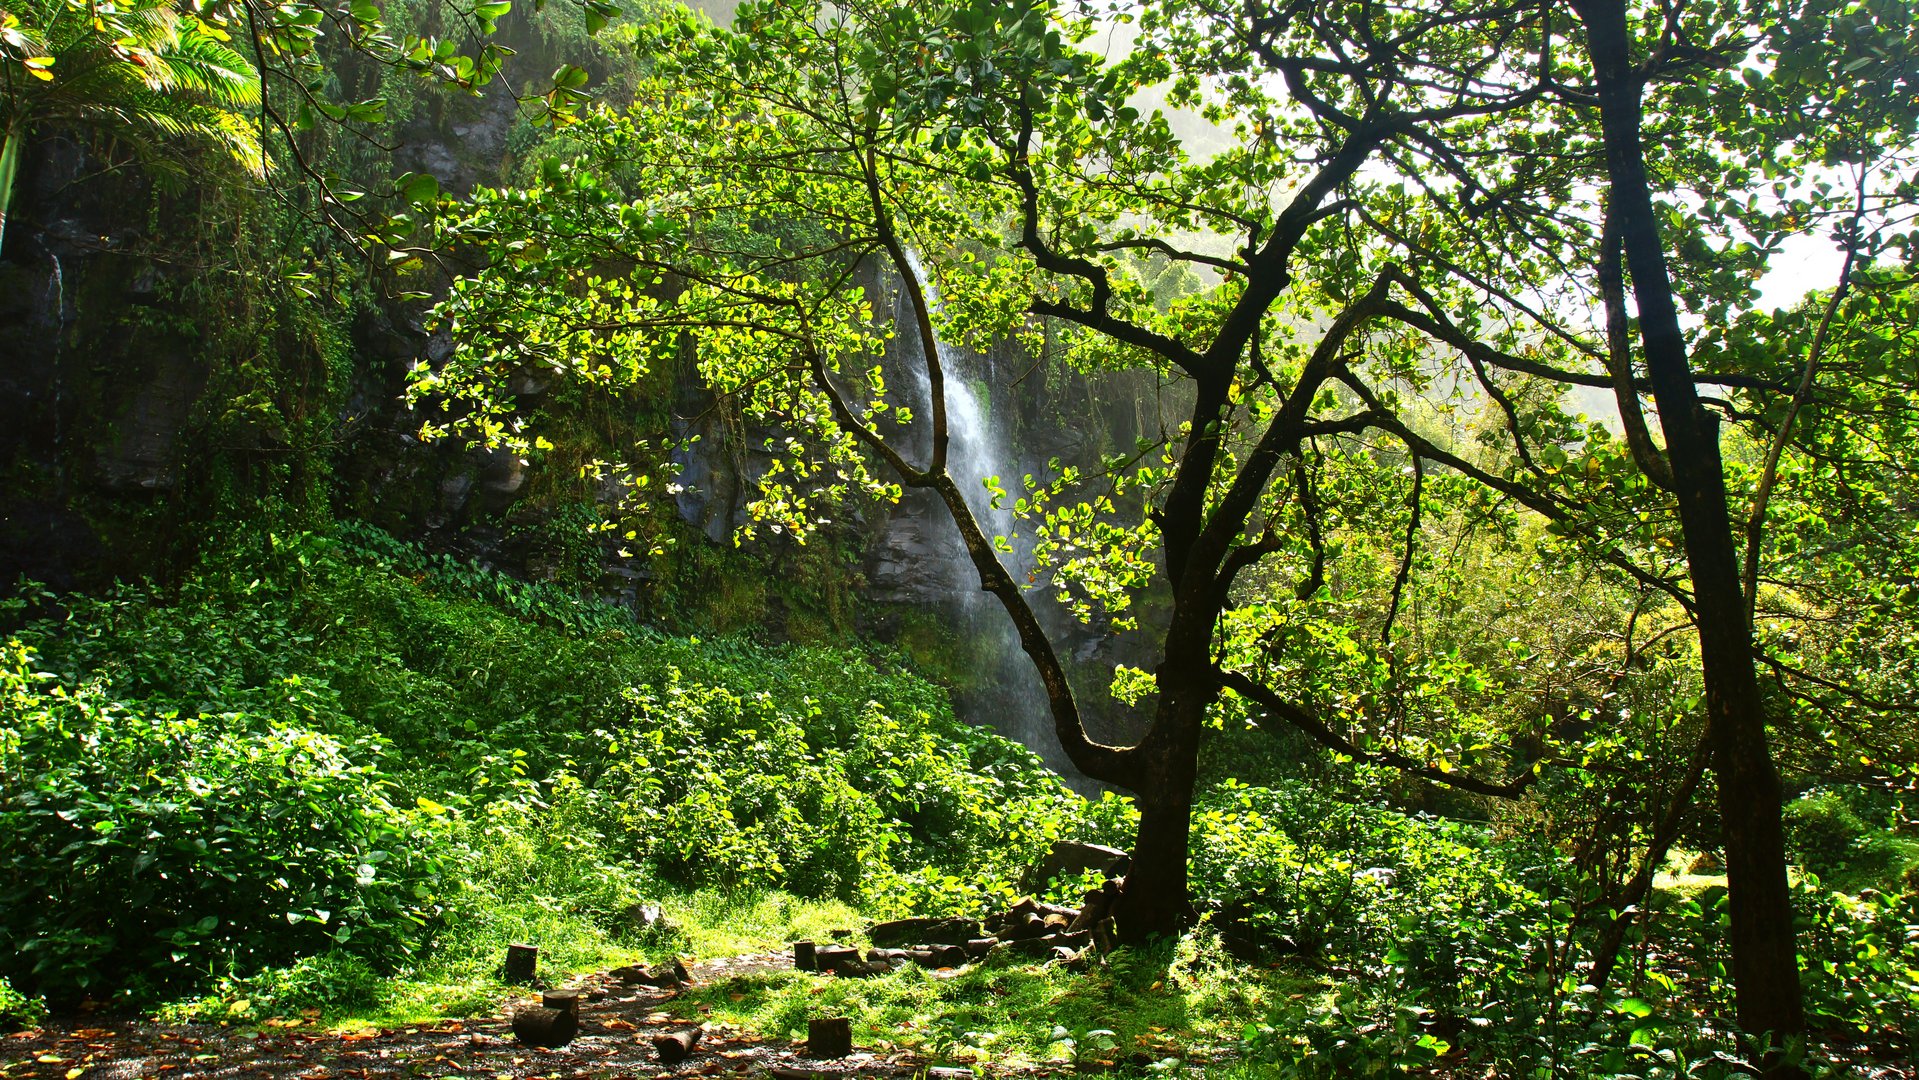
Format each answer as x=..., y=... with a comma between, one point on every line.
x=419, y=189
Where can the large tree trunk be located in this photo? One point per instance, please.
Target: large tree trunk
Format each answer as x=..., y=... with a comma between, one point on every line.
x=1156, y=901
x=1764, y=962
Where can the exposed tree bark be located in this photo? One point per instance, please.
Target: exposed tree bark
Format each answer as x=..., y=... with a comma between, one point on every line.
x=1155, y=901
x=1764, y=960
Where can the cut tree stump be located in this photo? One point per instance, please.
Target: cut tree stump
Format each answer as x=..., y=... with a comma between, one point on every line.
x=676, y=1046
x=942, y=956
x=804, y=957
x=551, y=1023
x=565, y=1000
x=521, y=963
x=829, y=1038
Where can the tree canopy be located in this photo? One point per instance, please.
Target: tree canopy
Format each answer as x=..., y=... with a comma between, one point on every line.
x=1423, y=233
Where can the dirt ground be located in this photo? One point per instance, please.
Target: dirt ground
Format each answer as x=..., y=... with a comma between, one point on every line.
x=615, y=1043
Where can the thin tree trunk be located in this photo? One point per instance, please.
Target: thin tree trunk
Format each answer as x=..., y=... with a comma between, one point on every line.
x=12, y=146
x=1764, y=960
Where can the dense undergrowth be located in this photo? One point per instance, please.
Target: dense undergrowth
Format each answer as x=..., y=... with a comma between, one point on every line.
x=339, y=774
x=349, y=745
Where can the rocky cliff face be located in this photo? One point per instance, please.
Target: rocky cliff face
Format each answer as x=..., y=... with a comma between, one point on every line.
x=127, y=421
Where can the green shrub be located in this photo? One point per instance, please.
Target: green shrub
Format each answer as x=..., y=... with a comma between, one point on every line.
x=595, y=761
x=1448, y=931
x=19, y=1012
x=716, y=787
x=178, y=848
x=1859, y=959
x=1826, y=835
x=330, y=982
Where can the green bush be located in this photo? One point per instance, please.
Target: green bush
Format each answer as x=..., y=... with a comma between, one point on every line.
x=594, y=760
x=1826, y=835
x=1451, y=934
x=19, y=1012
x=176, y=848
x=1859, y=960
x=716, y=787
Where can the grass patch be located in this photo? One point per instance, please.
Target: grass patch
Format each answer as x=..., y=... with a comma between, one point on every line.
x=459, y=976
x=715, y=924
x=1184, y=1000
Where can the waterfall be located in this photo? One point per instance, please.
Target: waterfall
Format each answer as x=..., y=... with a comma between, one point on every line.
x=57, y=284
x=976, y=450
x=1008, y=695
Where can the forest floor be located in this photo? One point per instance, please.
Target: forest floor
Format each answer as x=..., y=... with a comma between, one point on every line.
x=618, y=1022
x=614, y=1043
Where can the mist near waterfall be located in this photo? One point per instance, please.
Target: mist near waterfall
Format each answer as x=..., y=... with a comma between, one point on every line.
x=1006, y=694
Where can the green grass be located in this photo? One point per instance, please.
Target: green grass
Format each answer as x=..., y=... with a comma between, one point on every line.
x=1184, y=1000
x=459, y=976
x=715, y=924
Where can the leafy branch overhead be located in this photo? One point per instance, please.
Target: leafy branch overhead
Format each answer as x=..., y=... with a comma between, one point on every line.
x=1425, y=229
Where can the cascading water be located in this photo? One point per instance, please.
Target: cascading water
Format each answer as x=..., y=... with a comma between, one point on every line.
x=1005, y=692
x=58, y=285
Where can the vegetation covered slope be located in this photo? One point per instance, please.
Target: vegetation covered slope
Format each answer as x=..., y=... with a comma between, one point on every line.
x=285, y=755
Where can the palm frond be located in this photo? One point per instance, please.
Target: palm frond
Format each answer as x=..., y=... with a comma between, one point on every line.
x=145, y=75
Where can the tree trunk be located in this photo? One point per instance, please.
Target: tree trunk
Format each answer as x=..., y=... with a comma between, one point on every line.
x=1764, y=961
x=12, y=144
x=1155, y=901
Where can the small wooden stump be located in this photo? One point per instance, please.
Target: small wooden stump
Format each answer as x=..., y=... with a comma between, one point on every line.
x=829, y=1038
x=521, y=963
x=676, y=1046
x=803, y=956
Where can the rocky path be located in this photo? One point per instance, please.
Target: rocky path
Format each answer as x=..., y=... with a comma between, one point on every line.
x=614, y=1043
